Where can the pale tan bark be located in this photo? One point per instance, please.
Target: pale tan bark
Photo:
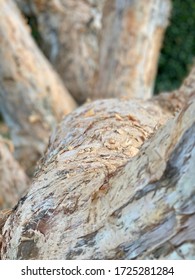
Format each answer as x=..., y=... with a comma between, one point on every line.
x=103, y=48
x=13, y=180
x=32, y=97
x=111, y=186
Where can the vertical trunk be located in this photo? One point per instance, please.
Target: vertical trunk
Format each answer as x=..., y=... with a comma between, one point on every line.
x=130, y=44
x=32, y=96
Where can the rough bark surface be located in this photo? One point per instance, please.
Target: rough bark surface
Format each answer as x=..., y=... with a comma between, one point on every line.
x=96, y=195
x=13, y=181
x=32, y=97
x=112, y=49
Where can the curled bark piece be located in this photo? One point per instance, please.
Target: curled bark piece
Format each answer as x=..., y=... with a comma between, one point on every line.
x=112, y=49
x=32, y=96
x=13, y=180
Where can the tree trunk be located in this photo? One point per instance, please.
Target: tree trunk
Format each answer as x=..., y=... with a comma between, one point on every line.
x=13, y=181
x=132, y=34
x=32, y=97
x=112, y=185
x=112, y=49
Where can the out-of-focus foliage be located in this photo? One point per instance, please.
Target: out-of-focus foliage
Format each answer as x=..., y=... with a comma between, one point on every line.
x=178, y=50
x=32, y=21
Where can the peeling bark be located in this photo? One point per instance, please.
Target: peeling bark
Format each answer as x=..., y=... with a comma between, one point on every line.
x=13, y=180
x=112, y=49
x=32, y=97
x=111, y=186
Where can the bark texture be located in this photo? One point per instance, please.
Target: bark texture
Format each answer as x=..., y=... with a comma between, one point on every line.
x=32, y=97
x=13, y=181
x=112, y=49
x=111, y=186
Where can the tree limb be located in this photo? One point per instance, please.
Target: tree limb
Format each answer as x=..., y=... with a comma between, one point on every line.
x=32, y=97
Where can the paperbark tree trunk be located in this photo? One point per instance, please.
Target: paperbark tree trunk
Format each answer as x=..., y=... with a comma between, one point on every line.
x=112, y=185
x=102, y=48
x=32, y=96
x=13, y=180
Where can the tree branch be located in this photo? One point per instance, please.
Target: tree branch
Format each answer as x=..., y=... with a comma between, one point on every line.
x=32, y=97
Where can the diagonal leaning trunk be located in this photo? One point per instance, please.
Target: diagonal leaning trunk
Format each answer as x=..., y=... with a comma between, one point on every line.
x=32, y=96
